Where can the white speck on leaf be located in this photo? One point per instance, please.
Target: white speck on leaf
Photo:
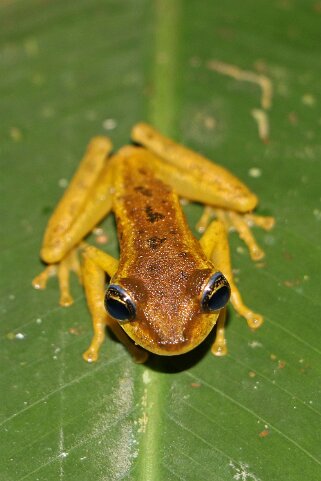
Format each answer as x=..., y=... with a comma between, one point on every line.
x=308, y=100
x=146, y=377
x=63, y=183
x=317, y=214
x=15, y=134
x=109, y=124
x=20, y=336
x=255, y=172
x=242, y=473
x=254, y=344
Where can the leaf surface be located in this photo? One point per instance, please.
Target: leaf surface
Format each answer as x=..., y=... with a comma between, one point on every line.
x=71, y=70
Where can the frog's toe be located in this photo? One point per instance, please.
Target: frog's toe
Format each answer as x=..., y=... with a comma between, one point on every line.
x=219, y=348
x=40, y=281
x=254, y=320
x=265, y=222
x=66, y=299
x=256, y=252
x=91, y=355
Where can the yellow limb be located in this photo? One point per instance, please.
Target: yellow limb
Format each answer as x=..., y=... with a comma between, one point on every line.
x=62, y=271
x=40, y=281
x=215, y=245
x=241, y=223
x=105, y=261
x=94, y=283
x=96, y=263
x=194, y=176
x=96, y=208
x=219, y=346
x=75, y=195
x=205, y=219
x=246, y=235
x=265, y=223
x=84, y=203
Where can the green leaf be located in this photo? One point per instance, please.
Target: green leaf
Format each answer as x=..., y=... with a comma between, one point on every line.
x=71, y=70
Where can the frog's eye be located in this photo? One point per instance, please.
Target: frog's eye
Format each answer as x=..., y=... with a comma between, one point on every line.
x=119, y=304
x=216, y=293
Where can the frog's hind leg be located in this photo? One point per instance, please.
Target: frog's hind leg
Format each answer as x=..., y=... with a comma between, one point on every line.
x=205, y=219
x=215, y=245
x=242, y=223
x=70, y=263
x=95, y=264
x=85, y=202
x=196, y=178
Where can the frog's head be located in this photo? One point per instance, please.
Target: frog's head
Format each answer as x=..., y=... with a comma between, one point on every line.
x=168, y=319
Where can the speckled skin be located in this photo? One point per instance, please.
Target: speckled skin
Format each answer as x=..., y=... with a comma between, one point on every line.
x=161, y=265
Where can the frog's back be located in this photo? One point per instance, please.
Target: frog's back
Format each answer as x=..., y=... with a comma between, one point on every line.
x=161, y=262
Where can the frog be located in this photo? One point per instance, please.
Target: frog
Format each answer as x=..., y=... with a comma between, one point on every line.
x=168, y=289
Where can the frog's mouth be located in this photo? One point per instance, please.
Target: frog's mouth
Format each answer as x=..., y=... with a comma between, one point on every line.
x=175, y=343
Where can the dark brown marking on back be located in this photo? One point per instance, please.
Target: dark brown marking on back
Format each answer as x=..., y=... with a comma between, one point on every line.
x=155, y=242
x=144, y=191
x=153, y=215
x=168, y=274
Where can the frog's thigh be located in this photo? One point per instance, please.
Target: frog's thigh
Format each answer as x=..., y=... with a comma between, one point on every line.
x=96, y=264
x=215, y=245
x=60, y=235
x=83, y=205
x=194, y=176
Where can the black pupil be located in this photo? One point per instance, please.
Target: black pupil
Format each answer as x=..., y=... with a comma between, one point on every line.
x=117, y=309
x=119, y=304
x=219, y=299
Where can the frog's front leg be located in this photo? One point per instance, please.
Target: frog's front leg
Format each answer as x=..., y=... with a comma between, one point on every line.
x=95, y=264
x=85, y=202
x=215, y=245
x=219, y=345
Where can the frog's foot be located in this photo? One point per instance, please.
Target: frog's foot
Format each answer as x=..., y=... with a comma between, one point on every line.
x=40, y=281
x=138, y=354
x=253, y=319
x=62, y=271
x=219, y=346
x=265, y=222
x=241, y=223
x=92, y=353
